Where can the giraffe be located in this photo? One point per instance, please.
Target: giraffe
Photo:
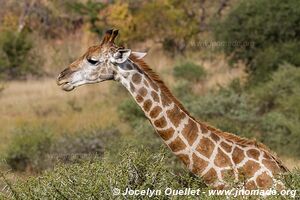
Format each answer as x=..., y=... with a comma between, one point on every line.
x=206, y=151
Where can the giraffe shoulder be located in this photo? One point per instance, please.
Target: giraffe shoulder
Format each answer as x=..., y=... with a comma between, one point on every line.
x=247, y=142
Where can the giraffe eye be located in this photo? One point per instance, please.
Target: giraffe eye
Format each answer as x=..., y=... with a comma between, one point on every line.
x=91, y=61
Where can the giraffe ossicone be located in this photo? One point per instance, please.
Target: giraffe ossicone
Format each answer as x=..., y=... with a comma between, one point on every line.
x=207, y=152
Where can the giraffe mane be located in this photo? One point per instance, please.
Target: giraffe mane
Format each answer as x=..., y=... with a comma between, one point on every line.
x=228, y=136
x=155, y=77
x=247, y=142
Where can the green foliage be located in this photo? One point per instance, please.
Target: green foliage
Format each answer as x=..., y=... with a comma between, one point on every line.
x=292, y=181
x=90, y=10
x=130, y=111
x=187, y=74
x=278, y=101
x=136, y=168
x=189, y=71
x=16, y=55
x=227, y=109
x=142, y=133
x=258, y=23
x=269, y=112
x=35, y=149
x=174, y=26
x=28, y=149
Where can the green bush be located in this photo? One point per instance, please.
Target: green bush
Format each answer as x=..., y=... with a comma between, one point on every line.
x=28, y=149
x=228, y=109
x=77, y=147
x=17, y=58
x=136, y=168
x=270, y=32
x=278, y=103
x=189, y=71
x=130, y=111
x=34, y=149
x=269, y=112
x=141, y=131
x=269, y=59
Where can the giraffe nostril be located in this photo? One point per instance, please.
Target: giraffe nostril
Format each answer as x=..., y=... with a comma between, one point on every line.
x=61, y=79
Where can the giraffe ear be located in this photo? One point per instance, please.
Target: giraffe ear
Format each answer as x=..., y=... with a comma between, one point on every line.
x=120, y=56
x=139, y=55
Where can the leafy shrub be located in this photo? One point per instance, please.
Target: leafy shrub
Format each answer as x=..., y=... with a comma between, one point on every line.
x=270, y=42
x=183, y=90
x=278, y=103
x=227, y=109
x=141, y=131
x=28, y=149
x=91, y=11
x=189, y=71
x=270, y=58
x=269, y=111
x=75, y=148
x=137, y=168
x=34, y=149
x=130, y=111
x=16, y=55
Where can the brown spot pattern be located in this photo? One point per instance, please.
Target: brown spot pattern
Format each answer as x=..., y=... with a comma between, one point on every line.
x=153, y=85
x=250, y=185
x=175, y=115
x=161, y=122
x=165, y=100
x=177, y=144
x=136, y=78
x=237, y=155
x=139, y=98
x=198, y=164
x=226, y=147
x=222, y=160
x=166, y=134
x=155, y=96
x=147, y=105
x=250, y=168
x=155, y=111
x=190, y=131
x=143, y=91
x=253, y=153
x=210, y=176
x=271, y=165
x=264, y=181
x=203, y=129
x=266, y=156
x=215, y=137
x=205, y=147
x=185, y=159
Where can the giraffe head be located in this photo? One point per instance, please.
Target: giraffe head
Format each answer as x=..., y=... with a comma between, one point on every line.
x=99, y=63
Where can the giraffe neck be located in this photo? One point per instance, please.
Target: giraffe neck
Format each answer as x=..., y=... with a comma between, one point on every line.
x=177, y=129
x=207, y=152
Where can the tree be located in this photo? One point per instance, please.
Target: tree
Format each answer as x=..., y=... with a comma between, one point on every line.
x=266, y=33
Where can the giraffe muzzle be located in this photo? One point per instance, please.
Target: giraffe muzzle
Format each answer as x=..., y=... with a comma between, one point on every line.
x=62, y=80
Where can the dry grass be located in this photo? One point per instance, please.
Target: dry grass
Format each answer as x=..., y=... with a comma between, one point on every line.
x=291, y=163
x=42, y=102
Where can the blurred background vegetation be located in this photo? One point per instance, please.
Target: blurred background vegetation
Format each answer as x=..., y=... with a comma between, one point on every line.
x=233, y=63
